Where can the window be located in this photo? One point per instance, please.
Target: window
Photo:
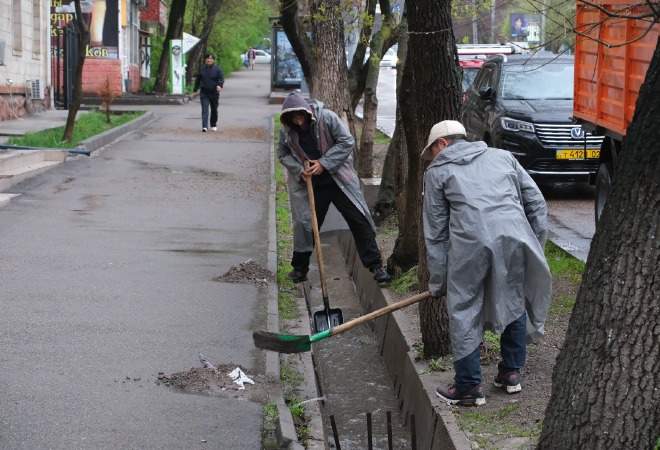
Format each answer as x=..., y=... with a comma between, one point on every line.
x=17, y=26
x=36, y=28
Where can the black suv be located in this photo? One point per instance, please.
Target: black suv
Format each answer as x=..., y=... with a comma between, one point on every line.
x=524, y=104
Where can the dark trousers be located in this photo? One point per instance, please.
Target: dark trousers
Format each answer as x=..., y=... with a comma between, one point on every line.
x=513, y=348
x=363, y=234
x=209, y=101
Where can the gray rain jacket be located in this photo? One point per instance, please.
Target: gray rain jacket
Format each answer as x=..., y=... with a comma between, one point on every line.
x=336, y=147
x=485, y=223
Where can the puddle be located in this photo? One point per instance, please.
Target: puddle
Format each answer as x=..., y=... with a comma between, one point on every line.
x=246, y=272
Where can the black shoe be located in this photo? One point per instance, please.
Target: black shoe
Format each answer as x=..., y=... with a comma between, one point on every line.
x=508, y=379
x=297, y=276
x=472, y=397
x=381, y=275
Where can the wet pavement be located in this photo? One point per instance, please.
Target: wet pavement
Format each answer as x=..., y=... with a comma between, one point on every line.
x=107, y=267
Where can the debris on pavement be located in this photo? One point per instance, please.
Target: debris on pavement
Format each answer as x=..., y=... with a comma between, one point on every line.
x=240, y=378
x=206, y=363
x=247, y=271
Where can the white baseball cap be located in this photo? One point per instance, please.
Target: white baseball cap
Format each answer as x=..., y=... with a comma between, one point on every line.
x=440, y=130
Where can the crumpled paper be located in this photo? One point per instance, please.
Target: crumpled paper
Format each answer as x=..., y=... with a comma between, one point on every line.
x=240, y=378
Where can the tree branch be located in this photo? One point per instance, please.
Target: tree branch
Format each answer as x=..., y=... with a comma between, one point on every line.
x=300, y=42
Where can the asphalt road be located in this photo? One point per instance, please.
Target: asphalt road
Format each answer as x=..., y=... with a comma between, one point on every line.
x=571, y=206
x=106, y=268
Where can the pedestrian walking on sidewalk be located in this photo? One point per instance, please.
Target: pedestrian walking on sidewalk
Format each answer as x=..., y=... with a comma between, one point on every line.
x=485, y=224
x=312, y=133
x=210, y=81
x=252, y=56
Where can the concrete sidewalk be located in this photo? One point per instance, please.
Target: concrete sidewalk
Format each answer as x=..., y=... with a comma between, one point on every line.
x=108, y=267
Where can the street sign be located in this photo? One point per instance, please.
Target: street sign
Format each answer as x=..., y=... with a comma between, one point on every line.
x=189, y=41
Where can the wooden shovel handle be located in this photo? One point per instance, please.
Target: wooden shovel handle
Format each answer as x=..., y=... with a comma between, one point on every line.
x=317, y=236
x=380, y=312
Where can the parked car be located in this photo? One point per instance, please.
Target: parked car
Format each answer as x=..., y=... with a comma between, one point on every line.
x=390, y=58
x=262, y=57
x=472, y=56
x=524, y=104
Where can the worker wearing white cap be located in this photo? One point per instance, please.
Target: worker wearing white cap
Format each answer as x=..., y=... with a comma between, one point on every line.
x=485, y=223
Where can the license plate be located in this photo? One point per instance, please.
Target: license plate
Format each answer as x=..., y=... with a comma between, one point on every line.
x=577, y=154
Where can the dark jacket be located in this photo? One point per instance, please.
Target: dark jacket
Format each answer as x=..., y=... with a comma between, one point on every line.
x=209, y=78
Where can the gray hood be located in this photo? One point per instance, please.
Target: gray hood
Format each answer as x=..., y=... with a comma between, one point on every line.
x=460, y=152
x=296, y=102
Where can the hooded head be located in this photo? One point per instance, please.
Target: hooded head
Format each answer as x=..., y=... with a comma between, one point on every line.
x=293, y=105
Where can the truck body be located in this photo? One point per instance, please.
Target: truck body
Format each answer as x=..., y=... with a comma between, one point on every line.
x=612, y=56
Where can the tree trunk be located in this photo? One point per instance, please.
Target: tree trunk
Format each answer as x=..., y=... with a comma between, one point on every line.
x=605, y=385
x=429, y=93
x=330, y=77
x=296, y=33
x=370, y=107
x=395, y=167
x=174, y=31
x=83, y=39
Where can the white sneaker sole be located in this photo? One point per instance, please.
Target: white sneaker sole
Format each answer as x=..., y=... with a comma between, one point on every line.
x=477, y=402
x=509, y=389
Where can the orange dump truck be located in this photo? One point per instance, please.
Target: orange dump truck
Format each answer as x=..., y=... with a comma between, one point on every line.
x=612, y=56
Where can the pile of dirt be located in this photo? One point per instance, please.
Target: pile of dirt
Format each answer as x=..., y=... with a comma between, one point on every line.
x=247, y=271
x=215, y=381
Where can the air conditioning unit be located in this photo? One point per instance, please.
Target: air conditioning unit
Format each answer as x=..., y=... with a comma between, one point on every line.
x=35, y=90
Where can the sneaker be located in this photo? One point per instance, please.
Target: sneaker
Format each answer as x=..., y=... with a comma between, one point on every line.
x=381, y=275
x=508, y=379
x=204, y=130
x=297, y=276
x=214, y=128
x=472, y=397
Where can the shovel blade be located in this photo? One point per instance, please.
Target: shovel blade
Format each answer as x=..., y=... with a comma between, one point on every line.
x=321, y=319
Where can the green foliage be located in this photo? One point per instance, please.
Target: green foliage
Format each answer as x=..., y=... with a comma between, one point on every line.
x=406, y=282
x=381, y=138
x=562, y=305
x=290, y=377
x=87, y=125
x=442, y=364
x=562, y=264
x=270, y=411
x=239, y=25
x=497, y=423
x=286, y=288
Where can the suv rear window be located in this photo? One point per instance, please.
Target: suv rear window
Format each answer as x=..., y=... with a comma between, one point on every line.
x=552, y=81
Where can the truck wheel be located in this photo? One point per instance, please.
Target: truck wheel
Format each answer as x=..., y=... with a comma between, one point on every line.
x=603, y=186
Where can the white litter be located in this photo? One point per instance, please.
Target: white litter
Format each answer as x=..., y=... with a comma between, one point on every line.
x=239, y=377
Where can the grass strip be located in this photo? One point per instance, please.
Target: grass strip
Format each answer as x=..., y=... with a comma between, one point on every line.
x=87, y=125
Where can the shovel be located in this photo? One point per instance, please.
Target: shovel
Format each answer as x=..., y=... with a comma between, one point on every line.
x=297, y=343
x=328, y=318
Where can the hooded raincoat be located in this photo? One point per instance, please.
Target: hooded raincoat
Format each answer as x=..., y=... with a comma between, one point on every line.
x=485, y=223
x=336, y=147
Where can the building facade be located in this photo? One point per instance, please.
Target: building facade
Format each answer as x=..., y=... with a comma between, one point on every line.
x=112, y=57
x=25, y=84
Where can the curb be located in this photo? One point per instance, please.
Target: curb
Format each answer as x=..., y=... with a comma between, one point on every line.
x=286, y=431
x=436, y=425
x=107, y=137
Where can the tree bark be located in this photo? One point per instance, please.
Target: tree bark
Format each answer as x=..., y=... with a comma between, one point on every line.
x=174, y=31
x=605, y=385
x=296, y=33
x=395, y=166
x=83, y=39
x=330, y=77
x=370, y=106
x=429, y=93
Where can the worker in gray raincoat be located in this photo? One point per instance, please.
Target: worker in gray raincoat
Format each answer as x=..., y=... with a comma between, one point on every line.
x=313, y=134
x=485, y=226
